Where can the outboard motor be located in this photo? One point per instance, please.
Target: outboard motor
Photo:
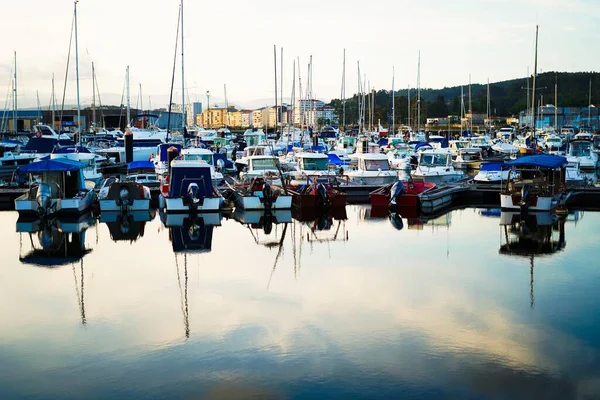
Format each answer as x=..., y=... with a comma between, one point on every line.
x=43, y=198
x=322, y=193
x=397, y=190
x=193, y=194
x=267, y=196
x=396, y=221
x=124, y=195
x=524, y=198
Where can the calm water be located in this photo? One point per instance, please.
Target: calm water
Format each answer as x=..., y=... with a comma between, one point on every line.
x=437, y=309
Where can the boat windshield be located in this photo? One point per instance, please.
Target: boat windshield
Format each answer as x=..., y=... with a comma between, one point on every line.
x=460, y=145
x=263, y=163
x=376, y=165
x=314, y=164
x=433, y=160
x=197, y=157
x=580, y=149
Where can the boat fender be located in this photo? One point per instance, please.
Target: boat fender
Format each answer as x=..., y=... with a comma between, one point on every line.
x=396, y=221
x=267, y=196
x=397, y=189
x=322, y=193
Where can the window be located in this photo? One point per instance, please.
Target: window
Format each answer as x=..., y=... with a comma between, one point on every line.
x=195, y=157
x=375, y=165
x=433, y=160
x=263, y=163
x=314, y=164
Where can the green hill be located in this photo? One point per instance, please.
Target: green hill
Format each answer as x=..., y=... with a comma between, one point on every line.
x=507, y=97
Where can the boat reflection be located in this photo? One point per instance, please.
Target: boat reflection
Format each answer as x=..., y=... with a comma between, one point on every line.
x=262, y=220
x=126, y=226
x=59, y=241
x=192, y=233
x=532, y=235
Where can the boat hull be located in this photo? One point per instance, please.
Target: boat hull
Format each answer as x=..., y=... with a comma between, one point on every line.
x=177, y=205
x=539, y=203
x=113, y=205
x=57, y=206
x=282, y=202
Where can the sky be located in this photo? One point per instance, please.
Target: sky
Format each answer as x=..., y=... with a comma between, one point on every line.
x=231, y=43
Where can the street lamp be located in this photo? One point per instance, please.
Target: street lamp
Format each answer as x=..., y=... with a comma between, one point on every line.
x=208, y=108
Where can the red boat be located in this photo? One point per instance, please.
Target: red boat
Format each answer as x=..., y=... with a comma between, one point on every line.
x=317, y=195
x=408, y=195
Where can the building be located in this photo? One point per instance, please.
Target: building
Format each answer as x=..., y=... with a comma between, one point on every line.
x=305, y=111
x=25, y=120
x=235, y=119
x=193, y=110
x=550, y=116
x=257, y=118
x=246, y=116
x=217, y=117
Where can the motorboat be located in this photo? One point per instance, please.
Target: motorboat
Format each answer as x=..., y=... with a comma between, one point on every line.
x=161, y=157
x=492, y=173
x=254, y=137
x=372, y=169
x=506, y=134
x=539, y=185
x=311, y=166
x=399, y=157
x=188, y=188
x=581, y=151
x=315, y=194
x=263, y=166
x=574, y=176
x=258, y=193
x=400, y=194
x=57, y=186
x=144, y=173
x=203, y=155
x=436, y=166
x=117, y=195
x=46, y=132
x=553, y=144
x=90, y=160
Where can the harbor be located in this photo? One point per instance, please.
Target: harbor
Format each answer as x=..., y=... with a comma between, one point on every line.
x=209, y=201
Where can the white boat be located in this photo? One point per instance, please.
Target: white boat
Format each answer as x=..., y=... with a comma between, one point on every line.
x=313, y=166
x=258, y=194
x=56, y=186
x=506, y=149
x=254, y=137
x=574, y=177
x=492, y=173
x=189, y=189
x=436, y=166
x=581, y=151
x=553, y=143
x=372, y=169
x=84, y=156
x=538, y=186
x=263, y=166
x=117, y=195
x=399, y=157
x=198, y=154
x=506, y=134
x=45, y=131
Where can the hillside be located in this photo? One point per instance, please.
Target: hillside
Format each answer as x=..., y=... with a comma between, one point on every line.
x=506, y=97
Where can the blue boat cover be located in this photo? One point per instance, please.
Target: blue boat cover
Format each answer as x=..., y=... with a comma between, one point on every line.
x=71, y=149
x=335, y=160
x=383, y=142
x=221, y=156
x=40, y=145
x=493, y=166
x=539, y=160
x=182, y=176
x=51, y=165
x=193, y=236
x=141, y=165
x=422, y=145
x=163, y=147
x=317, y=149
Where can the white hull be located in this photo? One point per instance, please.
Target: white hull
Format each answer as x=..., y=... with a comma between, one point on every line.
x=113, y=205
x=174, y=204
x=253, y=203
x=24, y=205
x=176, y=220
x=372, y=180
x=437, y=176
x=542, y=203
x=253, y=217
x=491, y=176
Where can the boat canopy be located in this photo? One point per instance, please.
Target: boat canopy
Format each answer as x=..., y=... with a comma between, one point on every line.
x=162, y=150
x=141, y=165
x=335, y=159
x=423, y=145
x=541, y=160
x=185, y=172
x=71, y=149
x=493, y=166
x=51, y=165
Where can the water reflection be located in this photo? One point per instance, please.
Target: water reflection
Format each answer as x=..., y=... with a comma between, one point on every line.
x=126, y=226
x=532, y=235
x=302, y=311
x=59, y=241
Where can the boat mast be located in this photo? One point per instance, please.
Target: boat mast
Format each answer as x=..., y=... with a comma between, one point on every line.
x=128, y=97
x=183, y=109
x=172, y=76
x=462, y=108
x=226, y=106
x=301, y=109
x=275, y=66
x=281, y=91
x=359, y=100
x=533, y=88
x=343, y=96
x=141, y=99
x=77, y=78
x=590, y=105
x=419, y=94
x=556, y=103
x=488, y=101
x=53, y=104
x=470, y=109
x=393, y=101
x=93, y=96
x=293, y=101
x=408, y=121
x=15, y=97
x=37, y=94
